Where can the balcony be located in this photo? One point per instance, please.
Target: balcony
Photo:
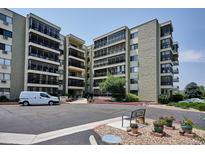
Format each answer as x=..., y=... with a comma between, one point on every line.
x=166, y=29
x=42, y=79
x=175, y=48
x=100, y=74
x=44, y=28
x=76, y=75
x=176, y=71
x=76, y=54
x=39, y=53
x=116, y=60
x=76, y=63
x=113, y=38
x=37, y=39
x=176, y=87
x=76, y=83
x=43, y=67
x=167, y=80
x=176, y=63
x=176, y=79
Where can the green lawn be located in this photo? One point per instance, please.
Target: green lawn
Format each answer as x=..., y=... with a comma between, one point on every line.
x=198, y=106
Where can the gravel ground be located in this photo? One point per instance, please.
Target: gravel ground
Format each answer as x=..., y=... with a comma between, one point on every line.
x=172, y=137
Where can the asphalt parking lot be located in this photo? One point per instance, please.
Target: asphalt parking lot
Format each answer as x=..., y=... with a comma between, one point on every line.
x=41, y=119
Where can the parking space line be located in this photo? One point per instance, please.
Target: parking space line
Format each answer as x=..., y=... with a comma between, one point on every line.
x=15, y=138
x=68, y=131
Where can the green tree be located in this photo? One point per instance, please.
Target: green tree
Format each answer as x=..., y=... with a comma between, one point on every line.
x=192, y=90
x=202, y=89
x=115, y=86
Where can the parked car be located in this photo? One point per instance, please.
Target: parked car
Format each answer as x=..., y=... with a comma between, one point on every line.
x=192, y=100
x=36, y=98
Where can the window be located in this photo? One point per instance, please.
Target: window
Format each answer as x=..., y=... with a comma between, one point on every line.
x=9, y=20
x=44, y=95
x=5, y=62
x=4, y=76
x=2, y=17
x=133, y=35
x=7, y=47
x=5, y=18
x=133, y=58
x=5, y=33
x=133, y=69
x=134, y=81
x=134, y=46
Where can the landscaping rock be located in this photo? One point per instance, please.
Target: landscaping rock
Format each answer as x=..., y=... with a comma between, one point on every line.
x=172, y=137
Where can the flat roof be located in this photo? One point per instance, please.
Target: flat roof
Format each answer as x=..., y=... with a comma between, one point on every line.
x=43, y=20
x=109, y=33
x=75, y=37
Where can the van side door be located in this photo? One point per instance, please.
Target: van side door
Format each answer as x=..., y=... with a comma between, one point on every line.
x=44, y=98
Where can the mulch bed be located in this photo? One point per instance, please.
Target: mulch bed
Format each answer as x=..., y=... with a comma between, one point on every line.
x=106, y=100
x=172, y=137
x=9, y=103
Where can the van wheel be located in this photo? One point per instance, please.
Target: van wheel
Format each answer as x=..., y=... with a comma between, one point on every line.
x=50, y=103
x=25, y=103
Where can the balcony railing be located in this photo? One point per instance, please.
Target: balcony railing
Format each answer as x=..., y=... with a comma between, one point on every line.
x=100, y=74
x=49, y=82
x=76, y=54
x=176, y=71
x=176, y=79
x=176, y=62
x=167, y=83
x=76, y=75
x=44, y=41
x=44, y=69
x=76, y=83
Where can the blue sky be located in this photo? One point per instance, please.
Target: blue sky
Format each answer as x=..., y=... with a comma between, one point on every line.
x=189, y=30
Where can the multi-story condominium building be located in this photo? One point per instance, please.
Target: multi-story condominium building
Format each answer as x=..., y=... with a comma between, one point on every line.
x=144, y=55
x=6, y=26
x=42, y=51
x=109, y=57
x=34, y=56
x=75, y=52
x=12, y=40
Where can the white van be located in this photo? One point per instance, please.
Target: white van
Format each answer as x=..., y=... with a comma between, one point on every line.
x=35, y=98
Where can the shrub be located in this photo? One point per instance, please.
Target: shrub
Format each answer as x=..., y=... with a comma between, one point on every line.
x=177, y=97
x=201, y=107
x=198, y=106
x=3, y=99
x=164, y=99
x=132, y=98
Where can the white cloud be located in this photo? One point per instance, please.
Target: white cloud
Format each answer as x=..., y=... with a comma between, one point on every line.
x=192, y=56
